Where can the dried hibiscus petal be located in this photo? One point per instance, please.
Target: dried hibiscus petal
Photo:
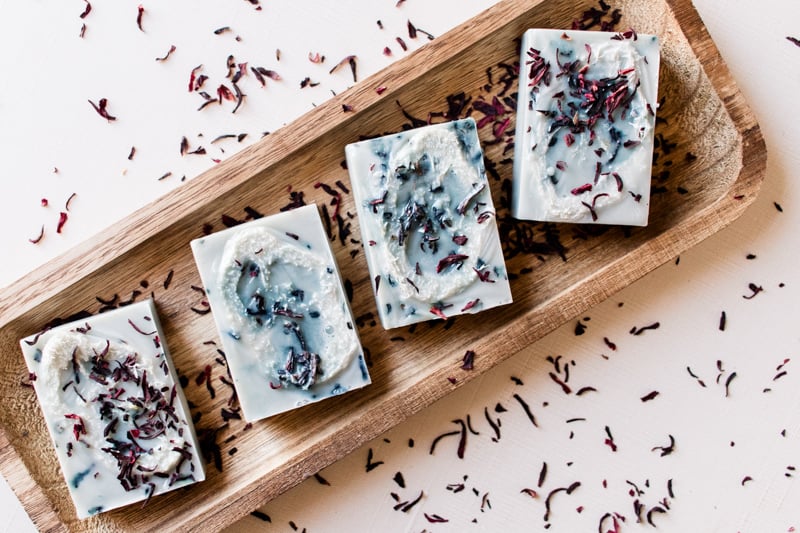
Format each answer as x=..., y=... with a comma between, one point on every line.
x=69, y=200
x=402, y=44
x=166, y=56
x=192, y=77
x=100, y=107
x=351, y=60
x=261, y=73
x=435, y=518
x=450, y=260
x=38, y=239
x=469, y=360
x=139, y=15
x=87, y=10
x=224, y=92
x=62, y=219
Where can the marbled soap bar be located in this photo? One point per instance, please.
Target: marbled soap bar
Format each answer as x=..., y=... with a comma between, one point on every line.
x=282, y=315
x=428, y=223
x=110, y=399
x=585, y=122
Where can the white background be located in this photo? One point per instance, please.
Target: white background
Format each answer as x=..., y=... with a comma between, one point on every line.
x=48, y=73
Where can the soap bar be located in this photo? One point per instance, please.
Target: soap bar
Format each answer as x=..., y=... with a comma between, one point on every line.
x=585, y=122
x=120, y=424
x=428, y=223
x=282, y=315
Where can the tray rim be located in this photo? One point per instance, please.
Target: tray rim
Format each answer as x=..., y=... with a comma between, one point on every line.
x=287, y=141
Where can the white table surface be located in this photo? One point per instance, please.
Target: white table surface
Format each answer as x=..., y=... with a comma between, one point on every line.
x=732, y=468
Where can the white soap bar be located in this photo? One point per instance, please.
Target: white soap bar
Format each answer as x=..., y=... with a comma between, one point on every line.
x=110, y=399
x=585, y=122
x=282, y=315
x=428, y=223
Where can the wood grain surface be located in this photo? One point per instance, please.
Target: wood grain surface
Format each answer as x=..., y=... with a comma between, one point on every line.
x=711, y=161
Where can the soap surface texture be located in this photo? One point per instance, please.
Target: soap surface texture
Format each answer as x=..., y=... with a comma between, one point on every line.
x=428, y=223
x=585, y=127
x=120, y=425
x=282, y=315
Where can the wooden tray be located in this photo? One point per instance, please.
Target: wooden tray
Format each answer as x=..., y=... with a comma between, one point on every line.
x=710, y=165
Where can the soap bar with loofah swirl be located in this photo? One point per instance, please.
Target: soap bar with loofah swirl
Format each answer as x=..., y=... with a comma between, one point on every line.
x=282, y=315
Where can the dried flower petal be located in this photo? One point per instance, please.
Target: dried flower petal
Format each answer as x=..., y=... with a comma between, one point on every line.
x=649, y=396
x=412, y=30
x=100, y=107
x=89, y=10
x=351, y=60
x=39, y=238
x=139, y=14
x=469, y=360
x=69, y=200
x=402, y=44
x=62, y=219
x=169, y=52
x=192, y=77
x=450, y=260
x=224, y=92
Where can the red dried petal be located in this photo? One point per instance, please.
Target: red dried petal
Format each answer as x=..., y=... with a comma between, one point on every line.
x=62, y=219
x=169, y=52
x=100, y=107
x=586, y=187
x=351, y=60
x=87, y=10
x=140, y=13
x=224, y=92
x=450, y=260
x=438, y=312
x=192, y=77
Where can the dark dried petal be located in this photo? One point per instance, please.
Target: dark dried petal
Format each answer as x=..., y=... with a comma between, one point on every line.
x=100, y=107
x=351, y=60
x=62, y=219
x=140, y=13
x=469, y=360
x=89, y=10
x=169, y=52
x=38, y=239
